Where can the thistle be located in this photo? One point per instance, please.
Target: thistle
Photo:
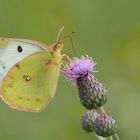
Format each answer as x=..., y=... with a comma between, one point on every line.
x=104, y=125
x=88, y=120
x=91, y=92
x=93, y=95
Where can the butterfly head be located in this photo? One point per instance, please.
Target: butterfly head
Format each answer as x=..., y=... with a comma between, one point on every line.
x=55, y=50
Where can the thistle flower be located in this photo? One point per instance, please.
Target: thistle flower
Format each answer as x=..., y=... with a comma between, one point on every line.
x=79, y=68
x=92, y=93
x=88, y=120
x=104, y=126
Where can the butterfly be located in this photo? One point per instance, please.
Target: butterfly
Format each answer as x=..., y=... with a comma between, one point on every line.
x=29, y=72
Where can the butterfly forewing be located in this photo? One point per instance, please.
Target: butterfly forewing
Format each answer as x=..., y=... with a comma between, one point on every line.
x=14, y=50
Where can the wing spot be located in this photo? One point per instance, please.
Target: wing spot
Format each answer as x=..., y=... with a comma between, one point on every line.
x=4, y=67
x=19, y=49
x=28, y=99
x=20, y=98
x=27, y=78
x=2, y=39
x=17, y=66
x=49, y=62
x=37, y=99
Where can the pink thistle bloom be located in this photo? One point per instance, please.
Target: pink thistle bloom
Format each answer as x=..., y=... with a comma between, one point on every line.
x=79, y=67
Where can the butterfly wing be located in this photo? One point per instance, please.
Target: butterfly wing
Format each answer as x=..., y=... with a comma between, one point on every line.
x=14, y=50
x=31, y=83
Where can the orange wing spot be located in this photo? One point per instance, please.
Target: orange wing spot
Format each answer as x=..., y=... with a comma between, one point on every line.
x=49, y=62
x=17, y=66
x=2, y=39
x=28, y=99
x=27, y=78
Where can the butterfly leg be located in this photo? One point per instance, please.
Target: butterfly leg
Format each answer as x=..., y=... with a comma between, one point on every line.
x=66, y=56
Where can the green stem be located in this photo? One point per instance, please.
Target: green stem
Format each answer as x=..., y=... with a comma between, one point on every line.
x=109, y=138
x=103, y=138
x=115, y=137
x=100, y=138
x=101, y=110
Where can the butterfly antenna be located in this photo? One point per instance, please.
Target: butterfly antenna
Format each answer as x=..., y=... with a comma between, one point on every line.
x=69, y=35
x=59, y=33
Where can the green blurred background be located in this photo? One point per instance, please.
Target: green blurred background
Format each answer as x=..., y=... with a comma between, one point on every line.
x=107, y=30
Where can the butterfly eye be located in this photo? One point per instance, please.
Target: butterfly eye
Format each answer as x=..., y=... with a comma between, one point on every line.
x=19, y=49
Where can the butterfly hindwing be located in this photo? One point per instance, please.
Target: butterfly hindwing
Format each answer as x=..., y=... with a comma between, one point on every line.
x=31, y=83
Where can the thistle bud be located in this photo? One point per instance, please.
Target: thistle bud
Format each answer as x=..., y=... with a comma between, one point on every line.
x=91, y=92
x=104, y=126
x=88, y=120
